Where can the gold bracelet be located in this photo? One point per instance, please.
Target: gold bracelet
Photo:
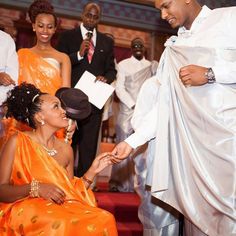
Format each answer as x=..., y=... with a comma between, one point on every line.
x=88, y=181
x=34, y=188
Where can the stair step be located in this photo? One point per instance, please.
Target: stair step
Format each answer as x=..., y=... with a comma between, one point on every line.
x=124, y=206
x=129, y=229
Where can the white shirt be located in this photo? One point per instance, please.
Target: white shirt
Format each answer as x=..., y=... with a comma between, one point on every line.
x=8, y=62
x=221, y=36
x=125, y=68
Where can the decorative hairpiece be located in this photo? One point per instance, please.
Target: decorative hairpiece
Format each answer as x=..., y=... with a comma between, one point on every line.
x=35, y=96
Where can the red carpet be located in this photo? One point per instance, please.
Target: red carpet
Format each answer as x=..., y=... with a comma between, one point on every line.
x=124, y=206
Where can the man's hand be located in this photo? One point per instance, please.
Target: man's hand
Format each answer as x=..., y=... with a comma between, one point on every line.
x=101, y=78
x=6, y=80
x=193, y=75
x=121, y=151
x=84, y=47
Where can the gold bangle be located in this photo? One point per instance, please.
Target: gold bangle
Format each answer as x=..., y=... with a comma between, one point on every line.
x=88, y=181
x=34, y=188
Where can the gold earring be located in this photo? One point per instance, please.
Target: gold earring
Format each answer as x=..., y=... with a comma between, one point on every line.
x=33, y=29
x=42, y=122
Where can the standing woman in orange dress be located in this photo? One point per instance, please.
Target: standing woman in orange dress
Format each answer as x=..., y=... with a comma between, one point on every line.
x=42, y=65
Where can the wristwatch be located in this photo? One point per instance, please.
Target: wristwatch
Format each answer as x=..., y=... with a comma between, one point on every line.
x=210, y=76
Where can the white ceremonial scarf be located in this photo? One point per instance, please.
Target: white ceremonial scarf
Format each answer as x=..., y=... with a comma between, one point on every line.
x=195, y=165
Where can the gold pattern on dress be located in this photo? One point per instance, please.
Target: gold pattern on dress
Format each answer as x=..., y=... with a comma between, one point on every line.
x=1, y=213
x=83, y=194
x=41, y=233
x=105, y=232
x=20, y=211
x=91, y=228
x=74, y=221
x=21, y=229
x=34, y=219
x=49, y=212
x=49, y=204
x=18, y=174
x=87, y=212
x=56, y=224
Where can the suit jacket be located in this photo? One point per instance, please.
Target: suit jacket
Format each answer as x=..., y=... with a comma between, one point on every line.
x=103, y=57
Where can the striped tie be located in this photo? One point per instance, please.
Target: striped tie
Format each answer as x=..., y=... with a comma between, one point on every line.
x=90, y=51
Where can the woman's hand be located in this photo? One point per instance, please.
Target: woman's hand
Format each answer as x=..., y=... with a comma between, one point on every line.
x=101, y=162
x=51, y=192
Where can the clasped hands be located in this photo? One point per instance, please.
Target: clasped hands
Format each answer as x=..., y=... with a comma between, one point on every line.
x=193, y=75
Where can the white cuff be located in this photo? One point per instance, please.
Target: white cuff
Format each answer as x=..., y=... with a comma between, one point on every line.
x=79, y=57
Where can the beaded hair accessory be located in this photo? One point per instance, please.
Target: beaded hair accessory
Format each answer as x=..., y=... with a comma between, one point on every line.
x=35, y=96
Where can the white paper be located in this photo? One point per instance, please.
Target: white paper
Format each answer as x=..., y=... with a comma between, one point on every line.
x=98, y=92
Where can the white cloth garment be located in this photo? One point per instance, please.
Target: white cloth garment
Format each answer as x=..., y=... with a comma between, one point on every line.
x=158, y=218
x=195, y=161
x=130, y=77
x=8, y=62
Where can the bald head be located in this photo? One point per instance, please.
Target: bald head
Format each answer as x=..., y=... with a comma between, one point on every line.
x=91, y=15
x=138, y=49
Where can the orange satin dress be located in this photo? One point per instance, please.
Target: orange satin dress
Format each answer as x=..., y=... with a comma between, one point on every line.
x=44, y=73
x=36, y=216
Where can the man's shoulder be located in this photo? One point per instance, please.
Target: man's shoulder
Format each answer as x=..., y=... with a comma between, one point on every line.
x=70, y=32
x=5, y=35
x=103, y=36
x=125, y=61
x=225, y=10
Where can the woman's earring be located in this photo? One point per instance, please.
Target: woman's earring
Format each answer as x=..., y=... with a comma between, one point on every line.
x=34, y=29
x=42, y=122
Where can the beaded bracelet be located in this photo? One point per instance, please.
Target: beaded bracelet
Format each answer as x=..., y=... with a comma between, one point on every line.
x=88, y=181
x=34, y=188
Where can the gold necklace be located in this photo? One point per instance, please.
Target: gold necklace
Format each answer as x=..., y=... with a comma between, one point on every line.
x=51, y=152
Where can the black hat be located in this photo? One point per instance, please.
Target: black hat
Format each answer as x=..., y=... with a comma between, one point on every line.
x=74, y=102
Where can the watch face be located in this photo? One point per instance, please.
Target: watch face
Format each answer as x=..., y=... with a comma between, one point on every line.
x=210, y=76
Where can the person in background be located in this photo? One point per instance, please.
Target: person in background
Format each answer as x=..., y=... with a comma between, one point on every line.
x=38, y=191
x=8, y=73
x=132, y=72
x=89, y=50
x=42, y=65
x=194, y=118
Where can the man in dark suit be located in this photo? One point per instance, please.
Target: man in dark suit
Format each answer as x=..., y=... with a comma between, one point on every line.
x=81, y=44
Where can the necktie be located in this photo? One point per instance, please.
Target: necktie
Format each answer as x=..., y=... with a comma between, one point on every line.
x=91, y=47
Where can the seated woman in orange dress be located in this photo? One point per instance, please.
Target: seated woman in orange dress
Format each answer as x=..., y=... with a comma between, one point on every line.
x=42, y=65
x=38, y=193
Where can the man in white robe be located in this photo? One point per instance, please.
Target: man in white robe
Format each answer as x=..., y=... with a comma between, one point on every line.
x=131, y=73
x=157, y=217
x=194, y=118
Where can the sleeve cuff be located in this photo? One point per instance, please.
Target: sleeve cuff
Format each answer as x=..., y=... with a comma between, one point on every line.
x=135, y=140
x=79, y=57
